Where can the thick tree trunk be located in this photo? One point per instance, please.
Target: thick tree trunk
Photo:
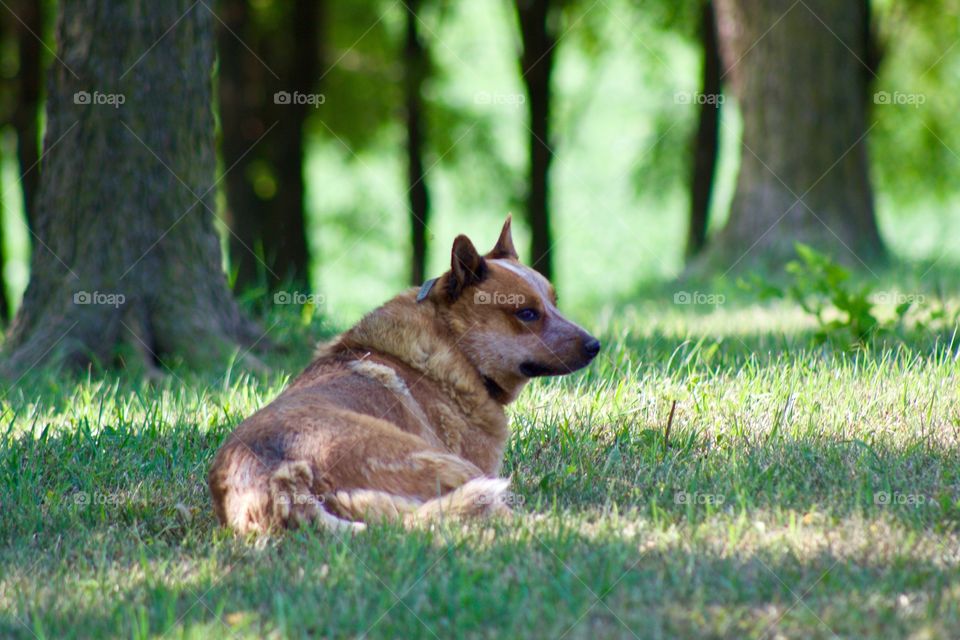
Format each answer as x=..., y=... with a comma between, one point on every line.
x=268, y=241
x=126, y=249
x=706, y=144
x=536, y=65
x=803, y=172
x=415, y=68
x=26, y=116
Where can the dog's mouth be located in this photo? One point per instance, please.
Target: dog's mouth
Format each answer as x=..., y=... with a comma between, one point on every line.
x=537, y=370
x=532, y=369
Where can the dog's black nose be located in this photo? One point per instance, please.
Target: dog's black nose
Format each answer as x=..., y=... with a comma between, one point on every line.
x=591, y=347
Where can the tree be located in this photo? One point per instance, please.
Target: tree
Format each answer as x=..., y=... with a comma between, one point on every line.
x=29, y=27
x=23, y=24
x=797, y=72
x=263, y=134
x=706, y=144
x=537, y=32
x=4, y=303
x=126, y=250
x=416, y=66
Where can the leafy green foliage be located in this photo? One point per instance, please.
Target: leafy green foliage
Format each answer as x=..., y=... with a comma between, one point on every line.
x=914, y=136
x=825, y=290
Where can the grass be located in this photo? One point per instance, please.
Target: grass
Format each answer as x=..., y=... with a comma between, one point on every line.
x=804, y=491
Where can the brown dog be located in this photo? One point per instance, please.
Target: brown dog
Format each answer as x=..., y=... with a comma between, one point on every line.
x=402, y=416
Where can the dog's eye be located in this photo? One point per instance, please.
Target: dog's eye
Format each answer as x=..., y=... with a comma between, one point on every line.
x=528, y=315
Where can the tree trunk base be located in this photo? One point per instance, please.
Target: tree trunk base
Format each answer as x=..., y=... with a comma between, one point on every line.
x=731, y=254
x=129, y=337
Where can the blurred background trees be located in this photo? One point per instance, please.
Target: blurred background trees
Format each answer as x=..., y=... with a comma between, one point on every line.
x=22, y=30
x=631, y=138
x=267, y=53
x=539, y=23
x=706, y=142
x=416, y=70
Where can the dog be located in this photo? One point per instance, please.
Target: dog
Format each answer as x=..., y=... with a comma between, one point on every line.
x=402, y=416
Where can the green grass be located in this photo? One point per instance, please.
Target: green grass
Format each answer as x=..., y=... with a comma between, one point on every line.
x=804, y=491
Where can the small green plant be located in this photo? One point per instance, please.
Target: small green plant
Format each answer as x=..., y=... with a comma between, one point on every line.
x=825, y=290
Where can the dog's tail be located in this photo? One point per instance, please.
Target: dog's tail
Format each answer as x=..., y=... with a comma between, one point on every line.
x=294, y=503
x=290, y=497
x=477, y=498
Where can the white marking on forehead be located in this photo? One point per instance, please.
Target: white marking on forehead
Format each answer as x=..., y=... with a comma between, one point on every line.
x=527, y=274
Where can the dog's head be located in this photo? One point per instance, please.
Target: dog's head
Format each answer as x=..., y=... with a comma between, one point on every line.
x=504, y=317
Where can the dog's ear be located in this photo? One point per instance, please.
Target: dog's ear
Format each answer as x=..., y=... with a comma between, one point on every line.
x=467, y=267
x=504, y=247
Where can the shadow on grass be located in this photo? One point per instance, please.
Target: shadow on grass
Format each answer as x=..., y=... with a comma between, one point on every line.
x=505, y=581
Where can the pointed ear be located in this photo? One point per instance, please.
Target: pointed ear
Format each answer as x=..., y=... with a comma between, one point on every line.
x=504, y=247
x=467, y=267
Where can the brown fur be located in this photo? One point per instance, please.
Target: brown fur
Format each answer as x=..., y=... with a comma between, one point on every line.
x=402, y=416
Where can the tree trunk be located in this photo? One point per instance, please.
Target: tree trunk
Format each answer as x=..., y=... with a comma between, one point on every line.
x=536, y=65
x=285, y=233
x=261, y=134
x=242, y=123
x=415, y=68
x=126, y=251
x=26, y=114
x=874, y=53
x=803, y=170
x=707, y=141
x=4, y=303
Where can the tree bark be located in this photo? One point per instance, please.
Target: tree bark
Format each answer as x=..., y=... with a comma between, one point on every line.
x=268, y=243
x=706, y=144
x=127, y=253
x=4, y=303
x=415, y=69
x=874, y=52
x=26, y=115
x=536, y=65
x=803, y=172
x=286, y=234
x=240, y=99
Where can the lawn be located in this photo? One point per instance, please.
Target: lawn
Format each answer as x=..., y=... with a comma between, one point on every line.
x=804, y=490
